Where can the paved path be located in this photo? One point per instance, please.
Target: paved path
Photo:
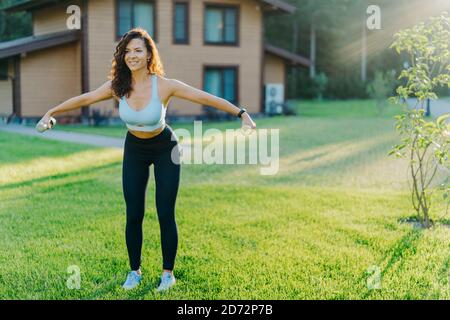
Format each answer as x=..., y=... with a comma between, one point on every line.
x=91, y=139
x=75, y=137
x=437, y=107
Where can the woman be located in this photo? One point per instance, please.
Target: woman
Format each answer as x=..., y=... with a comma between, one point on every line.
x=138, y=84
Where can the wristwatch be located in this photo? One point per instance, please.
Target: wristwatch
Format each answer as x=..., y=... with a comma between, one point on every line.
x=241, y=112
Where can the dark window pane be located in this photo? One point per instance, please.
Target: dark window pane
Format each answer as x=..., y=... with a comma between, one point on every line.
x=213, y=82
x=229, y=78
x=124, y=16
x=143, y=16
x=3, y=69
x=180, y=21
x=230, y=25
x=213, y=25
x=221, y=83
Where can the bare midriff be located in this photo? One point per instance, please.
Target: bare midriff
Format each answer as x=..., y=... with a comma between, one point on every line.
x=146, y=135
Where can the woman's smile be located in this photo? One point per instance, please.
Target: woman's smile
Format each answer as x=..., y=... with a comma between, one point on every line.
x=134, y=63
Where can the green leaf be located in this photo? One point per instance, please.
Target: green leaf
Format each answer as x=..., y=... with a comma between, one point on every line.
x=440, y=120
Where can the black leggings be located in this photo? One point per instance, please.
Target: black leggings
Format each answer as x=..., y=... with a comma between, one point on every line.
x=139, y=154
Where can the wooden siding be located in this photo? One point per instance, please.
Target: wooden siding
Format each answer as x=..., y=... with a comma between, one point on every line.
x=49, y=77
x=51, y=19
x=274, y=70
x=101, y=47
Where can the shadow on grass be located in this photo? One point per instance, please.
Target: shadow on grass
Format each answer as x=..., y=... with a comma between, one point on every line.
x=21, y=148
x=416, y=223
x=59, y=176
x=397, y=253
x=55, y=188
x=445, y=222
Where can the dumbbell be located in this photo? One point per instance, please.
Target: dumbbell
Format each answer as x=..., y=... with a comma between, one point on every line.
x=41, y=127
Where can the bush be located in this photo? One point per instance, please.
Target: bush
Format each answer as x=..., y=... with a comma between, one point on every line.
x=98, y=117
x=346, y=85
x=320, y=81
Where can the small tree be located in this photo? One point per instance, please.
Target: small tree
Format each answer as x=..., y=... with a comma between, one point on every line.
x=380, y=89
x=424, y=143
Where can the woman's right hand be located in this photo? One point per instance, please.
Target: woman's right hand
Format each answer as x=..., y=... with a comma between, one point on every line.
x=46, y=121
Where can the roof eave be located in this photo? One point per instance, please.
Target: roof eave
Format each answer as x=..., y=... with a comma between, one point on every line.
x=292, y=58
x=29, y=5
x=34, y=43
x=278, y=7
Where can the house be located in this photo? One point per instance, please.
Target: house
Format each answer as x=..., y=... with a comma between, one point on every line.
x=213, y=45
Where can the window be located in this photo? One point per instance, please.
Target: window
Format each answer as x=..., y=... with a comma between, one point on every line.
x=181, y=22
x=136, y=13
x=221, y=25
x=221, y=82
x=4, y=69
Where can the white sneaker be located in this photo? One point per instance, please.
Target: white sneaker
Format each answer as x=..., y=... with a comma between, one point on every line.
x=167, y=281
x=132, y=281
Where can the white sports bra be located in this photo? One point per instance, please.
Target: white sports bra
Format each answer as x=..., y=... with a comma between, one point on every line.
x=150, y=118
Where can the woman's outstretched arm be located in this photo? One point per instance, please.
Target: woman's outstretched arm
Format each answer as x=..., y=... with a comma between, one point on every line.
x=102, y=93
x=181, y=90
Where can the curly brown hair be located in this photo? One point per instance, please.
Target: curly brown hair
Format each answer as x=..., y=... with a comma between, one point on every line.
x=120, y=75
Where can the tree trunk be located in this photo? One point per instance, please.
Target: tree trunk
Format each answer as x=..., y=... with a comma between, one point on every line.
x=294, y=49
x=312, y=52
x=364, y=52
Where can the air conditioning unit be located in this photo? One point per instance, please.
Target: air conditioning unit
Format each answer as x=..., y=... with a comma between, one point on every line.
x=274, y=98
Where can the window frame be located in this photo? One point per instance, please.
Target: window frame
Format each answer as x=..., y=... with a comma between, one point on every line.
x=155, y=17
x=222, y=6
x=186, y=22
x=221, y=67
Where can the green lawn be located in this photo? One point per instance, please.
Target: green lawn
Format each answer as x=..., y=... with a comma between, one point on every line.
x=316, y=230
